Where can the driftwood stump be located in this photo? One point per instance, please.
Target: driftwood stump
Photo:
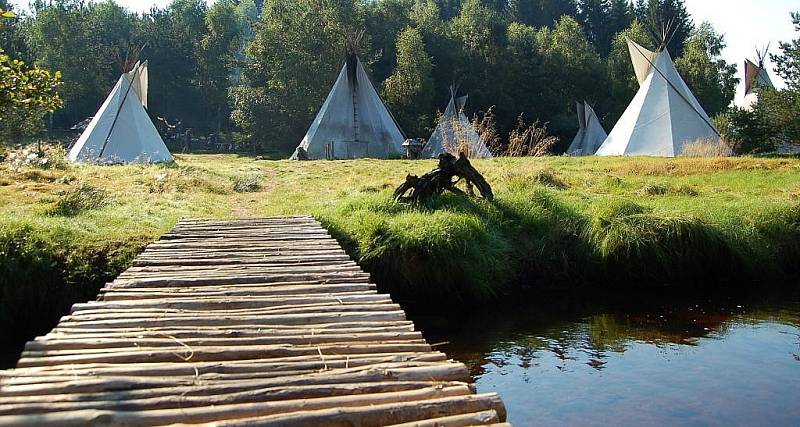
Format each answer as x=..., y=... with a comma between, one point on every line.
x=445, y=177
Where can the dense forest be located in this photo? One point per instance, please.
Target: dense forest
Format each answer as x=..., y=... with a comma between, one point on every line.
x=261, y=69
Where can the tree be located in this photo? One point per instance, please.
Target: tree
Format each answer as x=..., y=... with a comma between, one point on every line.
x=448, y=8
x=500, y=6
x=81, y=40
x=444, y=48
x=174, y=37
x=11, y=37
x=480, y=32
x=383, y=21
x=219, y=48
x=523, y=71
x=712, y=80
x=593, y=15
x=780, y=107
x=788, y=62
x=26, y=96
x=573, y=71
x=666, y=15
x=292, y=63
x=620, y=16
x=541, y=13
x=409, y=90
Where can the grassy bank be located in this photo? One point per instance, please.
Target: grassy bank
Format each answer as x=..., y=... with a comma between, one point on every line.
x=556, y=223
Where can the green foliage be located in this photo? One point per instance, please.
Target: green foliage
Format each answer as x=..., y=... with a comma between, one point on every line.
x=217, y=67
x=26, y=96
x=541, y=13
x=775, y=114
x=712, y=80
x=409, y=90
x=293, y=60
x=787, y=64
x=523, y=69
x=12, y=38
x=479, y=35
x=219, y=48
x=566, y=52
x=749, y=132
x=80, y=40
x=603, y=19
x=666, y=15
x=175, y=35
x=773, y=121
x=781, y=107
x=383, y=23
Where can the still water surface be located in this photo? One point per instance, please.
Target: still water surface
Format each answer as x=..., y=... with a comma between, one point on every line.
x=686, y=360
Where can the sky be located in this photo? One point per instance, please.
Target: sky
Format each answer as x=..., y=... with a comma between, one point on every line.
x=745, y=23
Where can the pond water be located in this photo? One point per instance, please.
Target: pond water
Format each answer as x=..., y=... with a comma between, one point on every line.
x=685, y=360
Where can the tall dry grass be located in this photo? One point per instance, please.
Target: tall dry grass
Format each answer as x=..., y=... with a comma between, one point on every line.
x=530, y=140
x=486, y=127
x=707, y=148
x=459, y=140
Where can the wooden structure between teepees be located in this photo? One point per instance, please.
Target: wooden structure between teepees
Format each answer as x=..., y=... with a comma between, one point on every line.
x=248, y=322
x=450, y=172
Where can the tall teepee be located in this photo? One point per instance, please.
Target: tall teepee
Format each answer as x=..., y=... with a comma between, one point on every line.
x=663, y=116
x=591, y=134
x=755, y=77
x=353, y=122
x=121, y=131
x=454, y=133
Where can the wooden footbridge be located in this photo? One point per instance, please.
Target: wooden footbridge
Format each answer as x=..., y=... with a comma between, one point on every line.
x=248, y=322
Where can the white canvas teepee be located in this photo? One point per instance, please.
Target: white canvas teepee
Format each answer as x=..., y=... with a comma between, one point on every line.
x=663, y=116
x=353, y=122
x=121, y=131
x=591, y=134
x=755, y=77
x=455, y=134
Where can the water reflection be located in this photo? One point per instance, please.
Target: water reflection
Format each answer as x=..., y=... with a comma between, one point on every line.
x=683, y=360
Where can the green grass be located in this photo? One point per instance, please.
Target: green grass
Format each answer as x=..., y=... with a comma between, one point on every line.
x=556, y=223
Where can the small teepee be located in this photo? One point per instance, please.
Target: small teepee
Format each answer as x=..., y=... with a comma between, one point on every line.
x=755, y=77
x=591, y=134
x=121, y=131
x=353, y=122
x=663, y=116
x=454, y=133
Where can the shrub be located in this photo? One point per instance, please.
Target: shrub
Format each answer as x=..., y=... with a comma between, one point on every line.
x=81, y=198
x=747, y=132
x=247, y=184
